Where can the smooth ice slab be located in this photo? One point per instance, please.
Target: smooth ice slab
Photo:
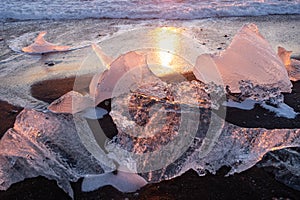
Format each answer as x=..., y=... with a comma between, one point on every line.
x=125, y=73
x=123, y=181
x=248, y=57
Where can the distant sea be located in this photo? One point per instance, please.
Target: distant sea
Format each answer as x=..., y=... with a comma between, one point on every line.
x=139, y=9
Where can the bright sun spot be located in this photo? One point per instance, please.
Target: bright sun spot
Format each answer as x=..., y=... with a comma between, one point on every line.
x=167, y=41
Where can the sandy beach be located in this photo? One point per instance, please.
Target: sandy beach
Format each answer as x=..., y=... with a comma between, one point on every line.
x=50, y=81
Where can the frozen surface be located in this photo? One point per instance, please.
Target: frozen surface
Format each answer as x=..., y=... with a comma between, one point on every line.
x=239, y=148
x=268, y=98
x=247, y=104
x=45, y=144
x=281, y=110
x=123, y=181
x=248, y=57
x=156, y=122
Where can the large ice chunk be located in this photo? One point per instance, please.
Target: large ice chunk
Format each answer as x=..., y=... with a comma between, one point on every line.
x=167, y=124
x=147, y=126
x=46, y=144
x=248, y=57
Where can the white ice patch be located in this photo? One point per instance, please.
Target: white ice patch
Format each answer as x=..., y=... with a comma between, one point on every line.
x=247, y=104
x=94, y=113
x=123, y=181
x=282, y=110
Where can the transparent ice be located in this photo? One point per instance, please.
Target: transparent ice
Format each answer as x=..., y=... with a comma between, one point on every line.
x=47, y=144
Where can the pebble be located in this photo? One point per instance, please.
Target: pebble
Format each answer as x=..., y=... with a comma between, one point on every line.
x=50, y=63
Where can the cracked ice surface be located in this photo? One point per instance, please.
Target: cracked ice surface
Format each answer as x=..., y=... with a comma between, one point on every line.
x=47, y=144
x=237, y=147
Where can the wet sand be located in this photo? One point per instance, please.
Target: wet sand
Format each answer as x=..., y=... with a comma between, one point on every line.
x=255, y=183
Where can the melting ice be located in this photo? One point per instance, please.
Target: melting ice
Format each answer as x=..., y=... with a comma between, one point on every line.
x=164, y=129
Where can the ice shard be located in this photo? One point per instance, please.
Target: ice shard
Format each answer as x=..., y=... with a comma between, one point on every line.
x=71, y=102
x=292, y=65
x=284, y=55
x=248, y=57
x=125, y=73
x=40, y=46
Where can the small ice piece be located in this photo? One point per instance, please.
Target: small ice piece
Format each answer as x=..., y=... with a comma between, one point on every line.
x=94, y=113
x=247, y=104
x=40, y=46
x=125, y=73
x=248, y=57
x=281, y=110
x=106, y=60
x=284, y=55
x=294, y=70
x=292, y=65
x=123, y=181
x=71, y=102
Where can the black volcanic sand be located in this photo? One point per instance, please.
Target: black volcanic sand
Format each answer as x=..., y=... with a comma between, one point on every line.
x=254, y=183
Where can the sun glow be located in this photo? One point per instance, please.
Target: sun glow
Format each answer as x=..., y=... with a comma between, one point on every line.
x=167, y=41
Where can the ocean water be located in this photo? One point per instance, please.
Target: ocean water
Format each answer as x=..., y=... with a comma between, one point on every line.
x=137, y=9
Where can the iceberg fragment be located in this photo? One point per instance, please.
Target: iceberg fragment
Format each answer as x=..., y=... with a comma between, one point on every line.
x=40, y=46
x=248, y=57
x=148, y=119
x=71, y=102
x=139, y=142
x=46, y=144
x=292, y=65
x=284, y=55
x=125, y=73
